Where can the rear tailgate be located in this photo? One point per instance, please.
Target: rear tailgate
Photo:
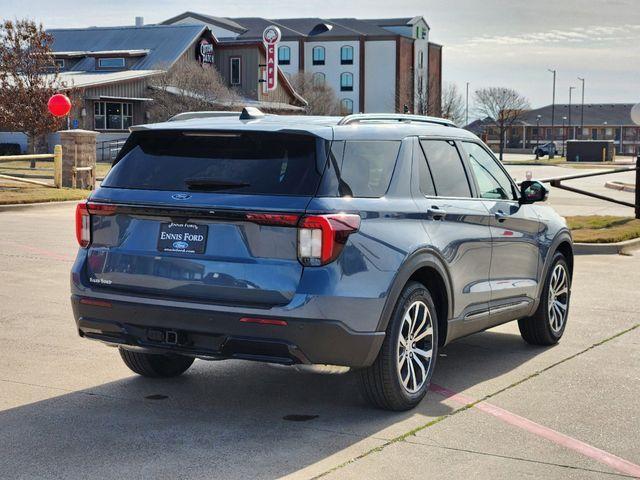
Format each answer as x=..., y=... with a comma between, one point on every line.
x=203, y=217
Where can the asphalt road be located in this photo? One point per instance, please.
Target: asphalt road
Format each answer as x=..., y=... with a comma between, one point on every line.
x=70, y=409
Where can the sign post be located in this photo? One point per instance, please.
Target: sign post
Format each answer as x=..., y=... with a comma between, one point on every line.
x=270, y=37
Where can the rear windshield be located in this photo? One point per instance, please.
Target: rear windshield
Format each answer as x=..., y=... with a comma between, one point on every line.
x=258, y=163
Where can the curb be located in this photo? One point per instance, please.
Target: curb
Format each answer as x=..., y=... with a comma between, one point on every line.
x=625, y=187
x=620, y=248
x=14, y=207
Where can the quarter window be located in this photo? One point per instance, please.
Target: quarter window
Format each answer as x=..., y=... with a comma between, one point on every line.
x=284, y=55
x=346, y=55
x=346, y=82
x=318, y=55
x=492, y=181
x=367, y=167
x=447, y=170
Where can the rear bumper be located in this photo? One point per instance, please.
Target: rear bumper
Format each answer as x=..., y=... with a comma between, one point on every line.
x=212, y=334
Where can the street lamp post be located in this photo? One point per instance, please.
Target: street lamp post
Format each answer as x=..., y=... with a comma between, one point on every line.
x=538, y=135
x=553, y=115
x=564, y=137
x=582, y=108
x=572, y=137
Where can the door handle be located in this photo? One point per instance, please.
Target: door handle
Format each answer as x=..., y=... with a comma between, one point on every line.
x=500, y=216
x=435, y=213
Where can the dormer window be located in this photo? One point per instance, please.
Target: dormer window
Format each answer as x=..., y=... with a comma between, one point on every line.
x=59, y=63
x=111, y=62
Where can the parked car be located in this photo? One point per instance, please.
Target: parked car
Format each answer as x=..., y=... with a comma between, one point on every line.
x=369, y=241
x=545, y=149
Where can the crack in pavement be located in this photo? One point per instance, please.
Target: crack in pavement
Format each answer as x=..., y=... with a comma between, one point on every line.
x=521, y=459
x=404, y=436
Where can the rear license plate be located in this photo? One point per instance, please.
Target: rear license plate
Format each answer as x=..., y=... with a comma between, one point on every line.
x=182, y=237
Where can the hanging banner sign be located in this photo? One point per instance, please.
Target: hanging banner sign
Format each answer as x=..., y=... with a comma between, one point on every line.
x=270, y=37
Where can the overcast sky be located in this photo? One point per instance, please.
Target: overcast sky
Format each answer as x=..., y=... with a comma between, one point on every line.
x=486, y=42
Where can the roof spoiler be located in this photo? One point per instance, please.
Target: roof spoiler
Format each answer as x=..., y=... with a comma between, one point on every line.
x=251, y=113
x=205, y=114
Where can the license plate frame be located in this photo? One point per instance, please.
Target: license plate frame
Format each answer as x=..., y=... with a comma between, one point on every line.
x=182, y=237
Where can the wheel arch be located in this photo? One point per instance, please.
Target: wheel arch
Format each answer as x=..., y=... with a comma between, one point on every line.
x=427, y=268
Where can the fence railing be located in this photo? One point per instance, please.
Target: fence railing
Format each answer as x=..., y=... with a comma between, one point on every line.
x=55, y=157
x=106, y=151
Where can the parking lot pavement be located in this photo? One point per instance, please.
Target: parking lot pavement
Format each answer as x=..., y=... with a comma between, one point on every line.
x=70, y=409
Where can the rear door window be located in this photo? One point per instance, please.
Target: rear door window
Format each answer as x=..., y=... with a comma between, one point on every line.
x=447, y=169
x=367, y=166
x=253, y=163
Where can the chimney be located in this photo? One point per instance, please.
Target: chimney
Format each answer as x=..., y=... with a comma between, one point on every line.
x=139, y=21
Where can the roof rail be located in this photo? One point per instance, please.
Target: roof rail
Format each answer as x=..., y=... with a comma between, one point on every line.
x=204, y=114
x=394, y=117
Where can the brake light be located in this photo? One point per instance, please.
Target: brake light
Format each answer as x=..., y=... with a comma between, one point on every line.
x=274, y=219
x=321, y=238
x=104, y=209
x=83, y=225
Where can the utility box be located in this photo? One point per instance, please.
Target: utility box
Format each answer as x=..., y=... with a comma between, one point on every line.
x=591, y=151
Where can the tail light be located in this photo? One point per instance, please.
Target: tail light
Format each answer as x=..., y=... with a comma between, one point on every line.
x=83, y=225
x=84, y=210
x=321, y=238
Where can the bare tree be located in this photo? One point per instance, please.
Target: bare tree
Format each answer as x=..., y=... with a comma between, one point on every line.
x=28, y=78
x=453, y=106
x=321, y=98
x=189, y=87
x=504, y=106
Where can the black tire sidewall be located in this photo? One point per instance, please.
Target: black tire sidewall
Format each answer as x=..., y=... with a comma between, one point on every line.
x=412, y=293
x=557, y=259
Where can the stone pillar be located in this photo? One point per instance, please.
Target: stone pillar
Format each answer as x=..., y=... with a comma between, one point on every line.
x=78, y=151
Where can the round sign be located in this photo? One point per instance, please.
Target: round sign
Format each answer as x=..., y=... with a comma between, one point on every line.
x=635, y=114
x=271, y=35
x=59, y=105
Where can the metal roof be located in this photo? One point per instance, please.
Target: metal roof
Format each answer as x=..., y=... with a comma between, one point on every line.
x=92, y=79
x=594, y=114
x=165, y=43
x=221, y=22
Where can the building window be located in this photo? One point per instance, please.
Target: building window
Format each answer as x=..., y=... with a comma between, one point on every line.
x=346, y=106
x=235, y=70
x=346, y=55
x=318, y=55
x=284, y=55
x=319, y=80
x=112, y=115
x=59, y=63
x=420, y=59
x=346, y=82
x=116, y=62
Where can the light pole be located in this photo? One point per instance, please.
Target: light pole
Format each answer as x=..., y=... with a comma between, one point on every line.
x=467, y=106
x=538, y=135
x=572, y=137
x=582, y=108
x=564, y=137
x=553, y=115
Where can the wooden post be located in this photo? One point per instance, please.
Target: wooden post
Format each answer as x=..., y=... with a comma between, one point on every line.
x=638, y=187
x=57, y=166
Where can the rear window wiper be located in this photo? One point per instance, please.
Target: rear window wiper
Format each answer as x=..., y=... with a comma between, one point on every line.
x=212, y=184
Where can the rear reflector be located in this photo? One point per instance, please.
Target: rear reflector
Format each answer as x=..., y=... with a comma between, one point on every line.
x=83, y=225
x=264, y=321
x=95, y=302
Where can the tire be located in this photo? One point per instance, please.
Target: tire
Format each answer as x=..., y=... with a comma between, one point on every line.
x=382, y=383
x=155, y=366
x=547, y=324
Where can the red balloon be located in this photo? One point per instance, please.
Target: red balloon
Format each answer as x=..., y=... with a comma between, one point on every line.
x=59, y=105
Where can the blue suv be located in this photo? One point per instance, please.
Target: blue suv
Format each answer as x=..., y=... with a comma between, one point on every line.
x=369, y=241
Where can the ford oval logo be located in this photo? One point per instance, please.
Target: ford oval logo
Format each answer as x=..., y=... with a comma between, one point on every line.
x=180, y=196
x=180, y=245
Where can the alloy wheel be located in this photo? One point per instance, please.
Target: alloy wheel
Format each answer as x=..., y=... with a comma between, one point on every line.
x=558, y=301
x=415, y=347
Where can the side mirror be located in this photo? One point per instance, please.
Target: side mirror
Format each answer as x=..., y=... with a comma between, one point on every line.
x=532, y=191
